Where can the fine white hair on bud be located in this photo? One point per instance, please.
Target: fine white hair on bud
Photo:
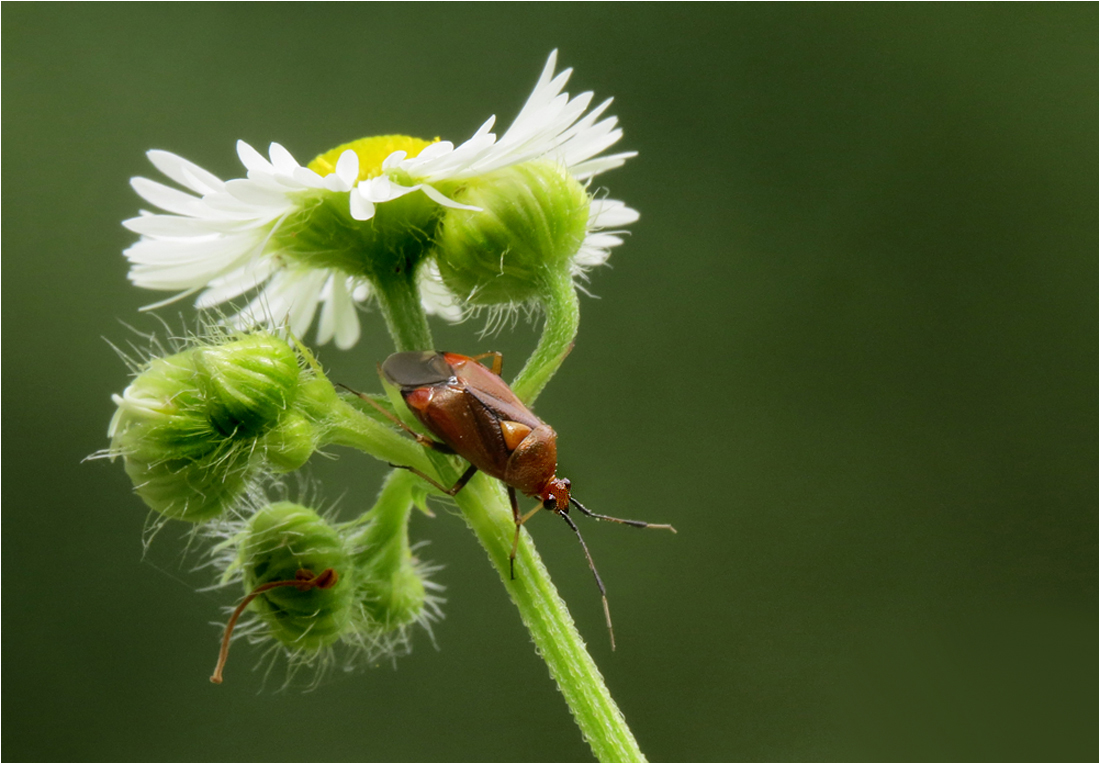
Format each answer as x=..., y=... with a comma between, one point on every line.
x=196, y=428
x=322, y=594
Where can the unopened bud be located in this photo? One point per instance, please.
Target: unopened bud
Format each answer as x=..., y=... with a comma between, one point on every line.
x=533, y=220
x=281, y=540
x=195, y=427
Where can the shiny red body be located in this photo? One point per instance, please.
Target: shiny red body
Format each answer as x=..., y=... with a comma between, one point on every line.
x=476, y=415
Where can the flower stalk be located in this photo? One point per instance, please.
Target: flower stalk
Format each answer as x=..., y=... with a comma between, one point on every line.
x=547, y=618
x=488, y=513
x=559, y=301
x=399, y=301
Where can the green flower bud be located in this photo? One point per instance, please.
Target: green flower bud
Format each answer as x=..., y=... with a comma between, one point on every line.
x=534, y=218
x=392, y=590
x=191, y=427
x=247, y=383
x=281, y=540
x=289, y=446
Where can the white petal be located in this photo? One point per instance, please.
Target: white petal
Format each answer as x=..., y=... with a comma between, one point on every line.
x=250, y=192
x=252, y=159
x=439, y=198
x=158, y=226
x=184, y=172
x=169, y=300
x=610, y=213
x=395, y=159
x=346, y=316
x=549, y=124
x=592, y=167
x=382, y=189
x=361, y=209
x=308, y=178
x=435, y=297
x=347, y=168
x=283, y=160
x=303, y=292
x=326, y=322
x=167, y=198
x=435, y=150
x=167, y=252
x=234, y=284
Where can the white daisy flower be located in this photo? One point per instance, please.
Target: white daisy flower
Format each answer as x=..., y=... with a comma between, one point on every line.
x=276, y=234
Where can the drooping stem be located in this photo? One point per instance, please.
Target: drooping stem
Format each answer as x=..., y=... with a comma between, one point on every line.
x=387, y=520
x=559, y=301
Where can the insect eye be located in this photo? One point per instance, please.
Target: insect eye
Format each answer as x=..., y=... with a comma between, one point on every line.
x=549, y=502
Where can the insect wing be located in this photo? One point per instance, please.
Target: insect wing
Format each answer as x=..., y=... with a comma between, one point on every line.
x=412, y=370
x=472, y=430
x=492, y=391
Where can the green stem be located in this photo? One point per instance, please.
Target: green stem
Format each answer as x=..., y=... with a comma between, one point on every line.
x=544, y=613
x=353, y=428
x=399, y=299
x=547, y=618
x=489, y=514
x=559, y=300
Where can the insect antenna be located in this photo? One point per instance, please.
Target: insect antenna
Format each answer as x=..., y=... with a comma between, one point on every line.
x=631, y=523
x=599, y=581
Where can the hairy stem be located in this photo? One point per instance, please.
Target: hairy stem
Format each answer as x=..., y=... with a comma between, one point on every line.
x=547, y=618
x=399, y=299
x=559, y=300
x=489, y=514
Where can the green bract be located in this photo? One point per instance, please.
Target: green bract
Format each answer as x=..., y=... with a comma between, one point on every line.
x=281, y=540
x=534, y=218
x=323, y=234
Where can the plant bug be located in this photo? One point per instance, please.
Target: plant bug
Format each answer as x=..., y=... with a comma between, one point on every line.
x=476, y=415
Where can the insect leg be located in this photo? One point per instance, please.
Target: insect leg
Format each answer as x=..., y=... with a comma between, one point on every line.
x=631, y=523
x=599, y=582
x=519, y=521
x=515, y=540
x=498, y=360
x=454, y=489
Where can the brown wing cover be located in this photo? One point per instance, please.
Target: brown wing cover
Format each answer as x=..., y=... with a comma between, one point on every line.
x=471, y=429
x=464, y=413
x=491, y=390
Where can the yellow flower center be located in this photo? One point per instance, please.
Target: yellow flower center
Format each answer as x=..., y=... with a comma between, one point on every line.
x=372, y=152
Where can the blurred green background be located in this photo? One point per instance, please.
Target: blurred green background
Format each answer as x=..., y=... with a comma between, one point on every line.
x=849, y=351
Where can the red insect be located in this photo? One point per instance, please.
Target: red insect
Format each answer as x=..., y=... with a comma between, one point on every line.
x=477, y=416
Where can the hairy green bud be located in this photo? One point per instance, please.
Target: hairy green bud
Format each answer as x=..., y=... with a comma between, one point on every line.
x=393, y=585
x=323, y=234
x=532, y=222
x=281, y=540
x=195, y=427
x=247, y=383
